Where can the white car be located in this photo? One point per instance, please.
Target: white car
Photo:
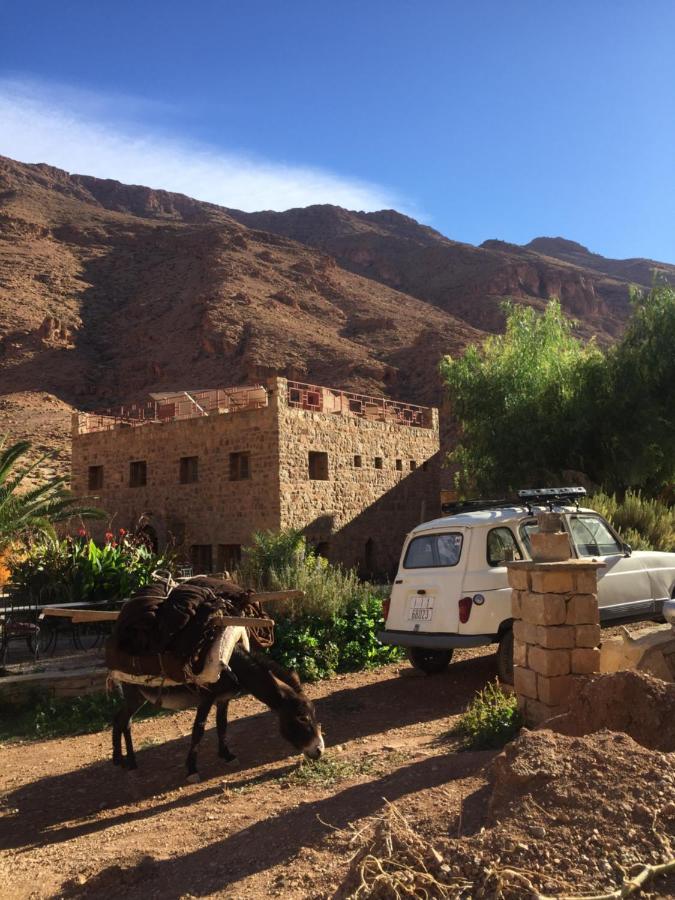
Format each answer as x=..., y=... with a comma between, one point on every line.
x=451, y=588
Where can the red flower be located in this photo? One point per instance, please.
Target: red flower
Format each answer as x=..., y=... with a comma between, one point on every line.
x=82, y=532
x=109, y=537
x=122, y=532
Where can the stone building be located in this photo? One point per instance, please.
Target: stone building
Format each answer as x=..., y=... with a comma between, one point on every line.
x=205, y=469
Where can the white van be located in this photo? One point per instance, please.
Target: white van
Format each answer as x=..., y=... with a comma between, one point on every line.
x=451, y=588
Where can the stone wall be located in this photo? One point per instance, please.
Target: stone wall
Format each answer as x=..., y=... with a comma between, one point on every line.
x=212, y=511
x=358, y=515
x=556, y=630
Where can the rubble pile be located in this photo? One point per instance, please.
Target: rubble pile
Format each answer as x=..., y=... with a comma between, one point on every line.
x=568, y=814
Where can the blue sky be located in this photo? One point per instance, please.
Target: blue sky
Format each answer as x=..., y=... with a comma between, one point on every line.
x=507, y=119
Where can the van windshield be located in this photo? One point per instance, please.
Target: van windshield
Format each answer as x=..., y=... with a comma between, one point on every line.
x=433, y=551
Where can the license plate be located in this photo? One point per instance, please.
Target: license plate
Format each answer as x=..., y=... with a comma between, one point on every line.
x=421, y=608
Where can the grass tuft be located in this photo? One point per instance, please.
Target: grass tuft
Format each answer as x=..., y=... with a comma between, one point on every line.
x=491, y=719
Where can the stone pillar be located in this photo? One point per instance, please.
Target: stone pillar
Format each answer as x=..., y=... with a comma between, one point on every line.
x=556, y=632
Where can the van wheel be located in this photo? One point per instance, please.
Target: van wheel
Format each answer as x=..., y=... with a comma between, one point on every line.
x=505, y=657
x=429, y=661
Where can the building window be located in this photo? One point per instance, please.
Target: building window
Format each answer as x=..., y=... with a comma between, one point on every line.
x=138, y=473
x=201, y=557
x=399, y=465
x=95, y=478
x=229, y=557
x=378, y=462
x=240, y=466
x=358, y=462
x=189, y=469
x=413, y=465
x=318, y=465
x=322, y=549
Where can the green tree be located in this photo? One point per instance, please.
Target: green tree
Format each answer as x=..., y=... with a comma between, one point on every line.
x=29, y=510
x=633, y=399
x=535, y=401
x=516, y=399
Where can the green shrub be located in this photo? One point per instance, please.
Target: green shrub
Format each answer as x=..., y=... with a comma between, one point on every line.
x=491, y=719
x=281, y=560
x=43, y=716
x=319, y=646
x=333, y=628
x=76, y=570
x=643, y=523
x=269, y=553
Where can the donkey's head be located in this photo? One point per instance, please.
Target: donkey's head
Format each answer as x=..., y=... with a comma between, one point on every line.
x=298, y=724
x=282, y=691
x=297, y=716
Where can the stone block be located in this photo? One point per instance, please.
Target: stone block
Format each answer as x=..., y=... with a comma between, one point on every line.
x=556, y=637
x=585, y=660
x=550, y=546
x=555, y=691
x=554, y=581
x=587, y=635
x=586, y=582
x=537, y=712
x=549, y=662
x=525, y=632
x=582, y=609
x=543, y=609
x=516, y=604
x=520, y=653
x=525, y=682
x=518, y=579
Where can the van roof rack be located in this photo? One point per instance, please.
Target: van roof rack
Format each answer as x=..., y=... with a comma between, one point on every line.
x=550, y=496
x=460, y=506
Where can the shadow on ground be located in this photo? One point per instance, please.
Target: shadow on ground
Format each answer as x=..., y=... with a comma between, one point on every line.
x=61, y=807
x=220, y=864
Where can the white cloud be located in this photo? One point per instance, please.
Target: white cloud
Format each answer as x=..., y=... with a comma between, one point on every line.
x=91, y=134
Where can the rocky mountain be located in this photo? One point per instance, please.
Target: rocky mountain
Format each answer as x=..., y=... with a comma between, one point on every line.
x=469, y=282
x=110, y=291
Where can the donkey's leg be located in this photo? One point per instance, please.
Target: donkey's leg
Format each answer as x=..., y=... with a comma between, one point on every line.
x=221, y=727
x=197, y=734
x=133, y=700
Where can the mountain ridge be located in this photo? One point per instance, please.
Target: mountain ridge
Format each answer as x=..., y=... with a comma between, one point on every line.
x=109, y=291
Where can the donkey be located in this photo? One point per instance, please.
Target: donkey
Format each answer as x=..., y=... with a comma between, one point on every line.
x=248, y=673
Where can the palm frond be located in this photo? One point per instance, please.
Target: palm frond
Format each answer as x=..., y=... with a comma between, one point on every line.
x=36, y=510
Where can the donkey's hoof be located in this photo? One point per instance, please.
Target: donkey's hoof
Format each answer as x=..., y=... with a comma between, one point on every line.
x=117, y=761
x=228, y=758
x=195, y=778
x=232, y=762
x=129, y=764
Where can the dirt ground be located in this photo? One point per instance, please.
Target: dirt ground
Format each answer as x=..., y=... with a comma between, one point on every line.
x=72, y=825
x=567, y=813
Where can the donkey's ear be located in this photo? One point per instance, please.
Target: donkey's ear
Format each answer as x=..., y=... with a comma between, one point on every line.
x=294, y=681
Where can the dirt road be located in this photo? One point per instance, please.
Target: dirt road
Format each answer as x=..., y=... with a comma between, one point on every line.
x=72, y=825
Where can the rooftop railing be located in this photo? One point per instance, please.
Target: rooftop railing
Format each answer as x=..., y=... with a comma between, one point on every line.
x=314, y=398
x=171, y=407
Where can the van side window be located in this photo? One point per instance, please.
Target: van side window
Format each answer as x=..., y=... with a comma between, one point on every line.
x=501, y=547
x=592, y=537
x=526, y=529
x=433, y=550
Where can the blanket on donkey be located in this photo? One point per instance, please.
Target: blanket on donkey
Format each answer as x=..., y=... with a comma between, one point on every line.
x=170, y=633
x=167, y=669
